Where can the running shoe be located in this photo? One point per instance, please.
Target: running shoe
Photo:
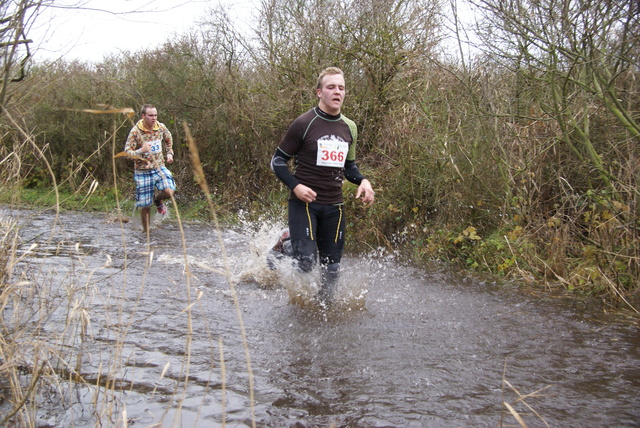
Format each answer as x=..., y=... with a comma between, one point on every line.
x=283, y=242
x=280, y=250
x=162, y=208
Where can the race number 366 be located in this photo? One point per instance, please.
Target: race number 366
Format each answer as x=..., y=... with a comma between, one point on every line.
x=332, y=153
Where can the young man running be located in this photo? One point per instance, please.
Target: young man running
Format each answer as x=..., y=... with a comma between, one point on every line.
x=145, y=143
x=322, y=143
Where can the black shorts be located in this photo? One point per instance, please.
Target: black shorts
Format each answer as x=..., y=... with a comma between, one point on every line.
x=316, y=230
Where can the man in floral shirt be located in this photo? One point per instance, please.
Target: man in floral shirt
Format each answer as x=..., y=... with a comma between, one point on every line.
x=146, y=143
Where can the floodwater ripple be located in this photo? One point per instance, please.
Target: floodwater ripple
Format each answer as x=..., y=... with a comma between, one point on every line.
x=407, y=348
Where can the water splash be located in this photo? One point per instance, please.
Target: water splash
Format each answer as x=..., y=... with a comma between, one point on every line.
x=269, y=272
x=154, y=221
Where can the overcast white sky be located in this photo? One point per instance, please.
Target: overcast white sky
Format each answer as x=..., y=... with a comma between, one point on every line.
x=100, y=27
x=90, y=29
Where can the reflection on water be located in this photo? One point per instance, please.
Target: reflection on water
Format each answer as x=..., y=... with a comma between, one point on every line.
x=158, y=339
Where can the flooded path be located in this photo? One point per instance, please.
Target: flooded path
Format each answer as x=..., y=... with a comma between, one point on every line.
x=154, y=332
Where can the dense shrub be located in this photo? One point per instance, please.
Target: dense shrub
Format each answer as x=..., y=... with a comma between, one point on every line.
x=521, y=161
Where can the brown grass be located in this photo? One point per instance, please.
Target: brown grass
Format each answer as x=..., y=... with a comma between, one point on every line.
x=33, y=365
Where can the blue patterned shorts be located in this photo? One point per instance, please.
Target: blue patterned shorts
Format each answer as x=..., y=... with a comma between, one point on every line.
x=149, y=180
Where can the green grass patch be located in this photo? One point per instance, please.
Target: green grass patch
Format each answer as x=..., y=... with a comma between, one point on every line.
x=98, y=201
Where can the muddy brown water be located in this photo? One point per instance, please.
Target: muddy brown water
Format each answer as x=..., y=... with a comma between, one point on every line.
x=154, y=330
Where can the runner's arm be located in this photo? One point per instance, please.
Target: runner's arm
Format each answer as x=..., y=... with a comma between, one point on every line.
x=133, y=146
x=352, y=173
x=281, y=170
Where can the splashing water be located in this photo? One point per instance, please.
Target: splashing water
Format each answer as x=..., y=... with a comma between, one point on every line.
x=154, y=221
x=431, y=348
x=270, y=272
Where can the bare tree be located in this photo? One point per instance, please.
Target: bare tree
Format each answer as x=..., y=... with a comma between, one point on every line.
x=16, y=17
x=581, y=51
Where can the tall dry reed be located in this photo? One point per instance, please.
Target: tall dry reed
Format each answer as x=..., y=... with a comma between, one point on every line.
x=36, y=298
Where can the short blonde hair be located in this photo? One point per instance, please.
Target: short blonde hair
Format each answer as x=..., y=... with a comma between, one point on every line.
x=146, y=107
x=325, y=72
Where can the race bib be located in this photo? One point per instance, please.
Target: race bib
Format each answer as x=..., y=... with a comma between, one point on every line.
x=156, y=146
x=332, y=153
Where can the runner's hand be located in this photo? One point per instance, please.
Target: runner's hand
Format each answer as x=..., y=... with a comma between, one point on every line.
x=368, y=197
x=146, y=147
x=304, y=193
